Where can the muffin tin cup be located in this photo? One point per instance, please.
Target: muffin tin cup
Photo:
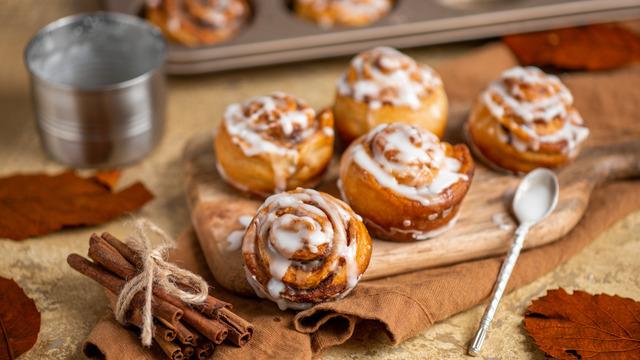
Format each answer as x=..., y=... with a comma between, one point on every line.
x=275, y=34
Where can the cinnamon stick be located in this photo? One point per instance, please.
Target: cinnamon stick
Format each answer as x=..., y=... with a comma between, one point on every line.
x=204, y=351
x=135, y=318
x=184, y=335
x=210, y=328
x=114, y=284
x=180, y=330
x=188, y=351
x=110, y=258
x=163, y=331
x=167, y=324
x=172, y=350
x=123, y=249
x=125, y=266
x=211, y=306
x=118, y=263
x=240, y=330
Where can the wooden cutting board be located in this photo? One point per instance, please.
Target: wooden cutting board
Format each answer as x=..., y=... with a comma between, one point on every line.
x=215, y=209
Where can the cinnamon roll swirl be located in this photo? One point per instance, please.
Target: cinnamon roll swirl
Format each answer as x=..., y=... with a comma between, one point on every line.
x=526, y=119
x=383, y=85
x=273, y=143
x=305, y=247
x=404, y=182
x=330, y=13
x=198, y=22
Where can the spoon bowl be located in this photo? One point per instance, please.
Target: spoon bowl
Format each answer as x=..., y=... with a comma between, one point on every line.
x=536, y=196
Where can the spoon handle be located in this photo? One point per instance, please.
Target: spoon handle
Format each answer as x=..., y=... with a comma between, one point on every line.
x=498, y=289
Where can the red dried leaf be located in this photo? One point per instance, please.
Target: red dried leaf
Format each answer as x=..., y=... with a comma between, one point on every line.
x=108, y=178
x=32, y=205
x=585, y=326
x=19, y=320
x=593, y=47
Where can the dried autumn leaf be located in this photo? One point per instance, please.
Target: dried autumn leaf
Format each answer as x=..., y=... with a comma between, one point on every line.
x=32, y=205
x=19, y=320
x=108, y=178
x=593, y=47
x=585, y=326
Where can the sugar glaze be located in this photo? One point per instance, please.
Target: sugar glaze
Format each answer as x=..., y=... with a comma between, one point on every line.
x=289, y=224
x=407, y=160
x=385, y=76
x=273, y=126
x=512, y=95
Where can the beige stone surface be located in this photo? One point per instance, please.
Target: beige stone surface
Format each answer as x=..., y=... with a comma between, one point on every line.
x=71, y=304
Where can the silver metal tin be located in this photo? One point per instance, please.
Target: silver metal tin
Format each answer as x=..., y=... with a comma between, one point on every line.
x=276, y=35
x=98, y=87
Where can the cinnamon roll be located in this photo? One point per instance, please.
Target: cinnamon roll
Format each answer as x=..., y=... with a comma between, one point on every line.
x=305, y=247
x=273, y=143
x=404, y=182
x=383, y=85
x=198, y=22
x=524, y=120
x=329, y=13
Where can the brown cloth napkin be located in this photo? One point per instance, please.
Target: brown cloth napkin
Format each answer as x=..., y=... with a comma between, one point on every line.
x=401, y=306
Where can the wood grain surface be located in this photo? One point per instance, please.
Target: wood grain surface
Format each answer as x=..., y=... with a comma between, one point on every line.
x=216, y=207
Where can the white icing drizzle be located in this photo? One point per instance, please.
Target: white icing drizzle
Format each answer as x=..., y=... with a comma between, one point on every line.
x=224, y=13
x=173, y=23
x=407, y=160
x=245, y=220
x=385, y=76
x=234, y=239
x=272, y=287
x=276, y=287
x=328, y=131
x=153, y=3
x=503, y=221
x=332, y=11
x=416, y=234
x=274, y=126
x=221, y=16
x=288, y=230
x=343, y=196
x=551, y=100
x=302, y=221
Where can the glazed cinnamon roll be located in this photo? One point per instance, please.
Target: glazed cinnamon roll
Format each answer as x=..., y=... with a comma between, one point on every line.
x=273, y=143
x=404, y=182
x=383, y=85
x=198, y=22
x=329, y=13
x=305, y=247
x=524, y=120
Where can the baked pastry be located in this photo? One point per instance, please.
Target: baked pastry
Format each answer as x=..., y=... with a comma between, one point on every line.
x=305, y=247
x=329, y=13
x=273, y=143
x=383, y=85
x=404, y=182
x=198, y=22
x=524, y=120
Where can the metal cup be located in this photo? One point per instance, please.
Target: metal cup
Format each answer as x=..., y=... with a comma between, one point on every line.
x=98, y=87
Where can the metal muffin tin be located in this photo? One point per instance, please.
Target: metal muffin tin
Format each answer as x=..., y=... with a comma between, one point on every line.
x=276, y=35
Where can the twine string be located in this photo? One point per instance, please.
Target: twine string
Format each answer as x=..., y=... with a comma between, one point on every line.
x=156, y=271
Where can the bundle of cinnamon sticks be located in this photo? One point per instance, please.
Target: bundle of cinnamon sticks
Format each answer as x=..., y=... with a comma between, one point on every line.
x=182, y=331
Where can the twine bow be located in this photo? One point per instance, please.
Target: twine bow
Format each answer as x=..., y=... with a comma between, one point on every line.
x=156, y=271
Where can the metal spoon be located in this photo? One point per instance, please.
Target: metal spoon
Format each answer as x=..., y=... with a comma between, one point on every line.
x=535, y=199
